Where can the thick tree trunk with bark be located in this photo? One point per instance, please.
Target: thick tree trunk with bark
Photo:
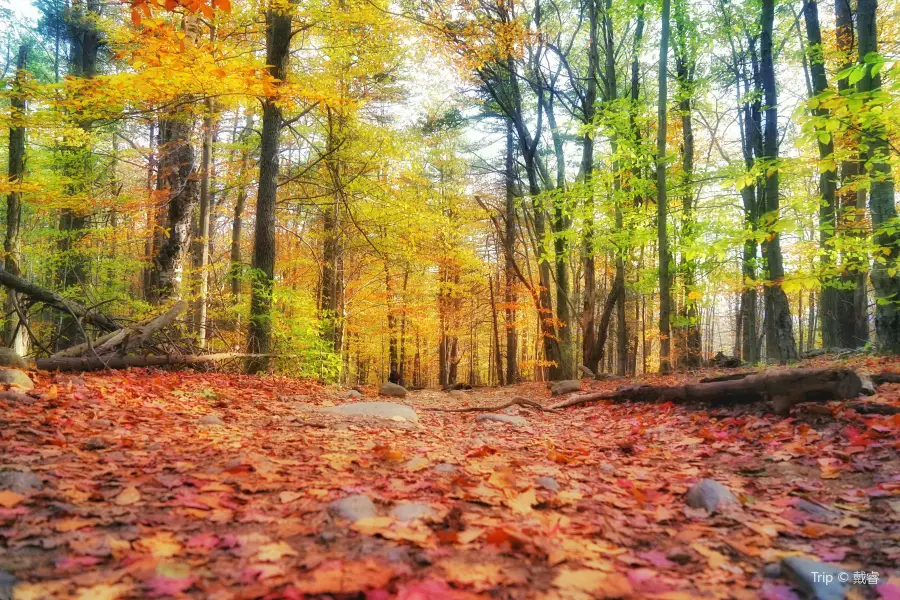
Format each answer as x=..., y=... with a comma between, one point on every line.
x=827, y=179
x=851, y=302
x=509, y=241
x=587, y=172
x=662, y=200
x=14, y=333
x=278, y=43
x=780, y=343
x=882, y=203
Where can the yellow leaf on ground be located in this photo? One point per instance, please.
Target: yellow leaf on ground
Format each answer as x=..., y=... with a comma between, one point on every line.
x=338, y=577
x=128, y=496
x=67, y=525
x=8, y=498
x=716, y=559
x=523, y=502
x=161, y=545
x=286, y=497
x=417, y=464
x=585, y=583
x=104, y=591
x=275, y=552
x=480, y=576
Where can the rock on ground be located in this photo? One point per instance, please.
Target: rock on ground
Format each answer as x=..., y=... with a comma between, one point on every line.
x=17, y=378
x=9, y=358
x=211, y=420
x=386, y=410
x=586, y=371
x=817, y=580
x=565, y=387
x=392, y=389
x=352, y=508
x=510, y=419
x=20, y=482
x=445, y=468
x=408, y=511
x=548, y=483
x=711, y=495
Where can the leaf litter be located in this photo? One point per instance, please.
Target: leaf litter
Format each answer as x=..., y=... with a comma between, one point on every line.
x=164, y=505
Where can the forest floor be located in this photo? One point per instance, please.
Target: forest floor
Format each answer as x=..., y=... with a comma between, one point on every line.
x=138, y=484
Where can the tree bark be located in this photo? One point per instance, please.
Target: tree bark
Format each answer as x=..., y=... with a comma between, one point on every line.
x=509, y=241
x=882, y=204
x=278, y=42
x=827, y=180
x=779, y=323
x=661, y=199
x=15, y=334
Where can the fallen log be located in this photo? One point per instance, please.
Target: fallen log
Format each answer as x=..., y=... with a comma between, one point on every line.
x=128, y=338
x=93, y=363
x=54, y=300
x=784, y=388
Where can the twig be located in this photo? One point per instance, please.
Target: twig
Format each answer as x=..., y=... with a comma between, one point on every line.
x=518, y=400
x=583, y=399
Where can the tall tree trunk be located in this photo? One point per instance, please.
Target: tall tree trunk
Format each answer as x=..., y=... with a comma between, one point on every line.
x=882, y=204
x=498, y=358
x=779, y=324
x=827, y=181
x=84, y=39
x=851, y=301
x=203, y=241
x=689, y=337
x=14, y=332
x=278, y=42
x=332, y=255
x=587, y=172
x=236, y=270
x=661, y=199
x=509, y=240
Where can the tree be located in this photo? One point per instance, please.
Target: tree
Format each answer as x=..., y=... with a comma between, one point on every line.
x=278, y=42
x=882, y=207
x=14, y=331
x=779, y=325
x=661, y=198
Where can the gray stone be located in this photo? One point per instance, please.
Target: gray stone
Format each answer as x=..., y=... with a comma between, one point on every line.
x=392, y=389
x=586, y=371
x=12, y=396
x=411, y=510
x=565, y=387
x=211, y=420
x=548, y=483
x=20, y=482
x=607, y=468
x=816, y=511
x=385, y=410
x=16, y=378
x=353, y=394
x=816, y=580
x=445, y=468
x=510, y=419
x=772, y=570
x=352, y=508
x=7, y=583
x=710, y=495
x=9, y=358
x=100, y=423
x=607, y=377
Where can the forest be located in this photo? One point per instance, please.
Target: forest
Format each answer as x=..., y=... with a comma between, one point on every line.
x=449, y=299
x=476, y=192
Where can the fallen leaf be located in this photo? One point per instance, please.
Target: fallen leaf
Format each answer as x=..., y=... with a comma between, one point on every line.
x=8, y=498
x=128, y=496
x=275, y=552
